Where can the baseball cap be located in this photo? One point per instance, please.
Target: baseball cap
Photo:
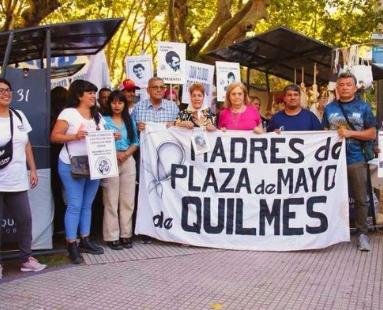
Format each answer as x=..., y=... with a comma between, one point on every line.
x=129, y=84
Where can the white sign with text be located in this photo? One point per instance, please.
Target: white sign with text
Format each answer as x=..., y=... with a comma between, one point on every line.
x=198, y=73
x=102, y=154
x=171, y=58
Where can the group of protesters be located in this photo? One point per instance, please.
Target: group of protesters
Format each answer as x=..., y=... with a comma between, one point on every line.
x=117, y=110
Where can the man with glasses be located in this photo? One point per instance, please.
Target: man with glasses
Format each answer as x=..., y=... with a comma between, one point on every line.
x=155, y=109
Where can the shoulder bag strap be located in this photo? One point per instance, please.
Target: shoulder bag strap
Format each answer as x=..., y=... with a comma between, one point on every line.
x=361, y=143
x=11, y=121
x=345, y=116
x=17, y=114
x=67, y=149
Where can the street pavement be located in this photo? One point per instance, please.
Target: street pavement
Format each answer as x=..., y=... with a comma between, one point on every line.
x=171, y=276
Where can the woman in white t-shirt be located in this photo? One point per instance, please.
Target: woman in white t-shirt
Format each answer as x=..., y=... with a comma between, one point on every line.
x=70, y=129
x=14, y=178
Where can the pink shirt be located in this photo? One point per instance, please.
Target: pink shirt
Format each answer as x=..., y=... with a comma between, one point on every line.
x=247, y=120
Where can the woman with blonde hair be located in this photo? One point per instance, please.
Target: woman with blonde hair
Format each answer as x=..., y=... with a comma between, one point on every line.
x=237, y=113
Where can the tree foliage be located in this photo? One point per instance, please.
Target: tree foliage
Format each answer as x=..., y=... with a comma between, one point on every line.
x=24, y=13
x=203, y=25
x=335, y=22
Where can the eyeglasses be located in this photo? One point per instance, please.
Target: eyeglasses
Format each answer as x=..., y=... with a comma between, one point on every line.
x=5, y=91
x=158, y=87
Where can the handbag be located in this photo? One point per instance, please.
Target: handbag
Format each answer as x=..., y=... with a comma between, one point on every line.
x=79, y=165
x=6, y=151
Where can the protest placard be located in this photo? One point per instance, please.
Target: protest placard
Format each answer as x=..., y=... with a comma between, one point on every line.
x=198, y=73
x=101, y=154
x=171, y=58
x=139, y=69
x=227, y=73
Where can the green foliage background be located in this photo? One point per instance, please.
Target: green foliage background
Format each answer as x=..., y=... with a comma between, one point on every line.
x=335, y=22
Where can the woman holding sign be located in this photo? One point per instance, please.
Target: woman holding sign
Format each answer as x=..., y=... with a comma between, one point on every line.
x=119, y=192
x=15, y=154
x=196, y=114
x=238, y=114
x=70, y=129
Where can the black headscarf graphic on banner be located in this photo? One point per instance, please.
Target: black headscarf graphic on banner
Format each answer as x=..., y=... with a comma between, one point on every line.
x=29, y=96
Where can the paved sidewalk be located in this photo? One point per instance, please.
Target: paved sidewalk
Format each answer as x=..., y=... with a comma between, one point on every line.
x=168, y=276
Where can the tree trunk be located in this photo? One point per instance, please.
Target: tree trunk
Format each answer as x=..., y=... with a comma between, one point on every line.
x=33, y=12
x=225, y=28
x=235, y=28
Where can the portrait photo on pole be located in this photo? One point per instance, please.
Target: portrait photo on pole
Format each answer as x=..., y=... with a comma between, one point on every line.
x=227, y=73
x=139, y=69
x=171, y=58
x=198, y=73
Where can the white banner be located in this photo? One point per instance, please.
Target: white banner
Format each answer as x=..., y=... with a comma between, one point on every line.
x=102, y=154
x=198, y=73
x=139, y=69
x=250, y=192
x=227, y=73
x=171, y=58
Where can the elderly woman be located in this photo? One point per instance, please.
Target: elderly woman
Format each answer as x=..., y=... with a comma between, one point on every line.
x=238, y=114
x=119, y=191
x=16, y=154
x=70, y=129
x=196, y=114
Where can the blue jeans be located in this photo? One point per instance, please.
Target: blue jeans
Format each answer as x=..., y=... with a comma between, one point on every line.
x=79, y=194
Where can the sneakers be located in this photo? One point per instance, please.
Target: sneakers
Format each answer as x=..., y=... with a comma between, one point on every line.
x=32, y=264
x=363, y=243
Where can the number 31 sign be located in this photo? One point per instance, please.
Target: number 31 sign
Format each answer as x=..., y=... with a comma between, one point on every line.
x=22, y=95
